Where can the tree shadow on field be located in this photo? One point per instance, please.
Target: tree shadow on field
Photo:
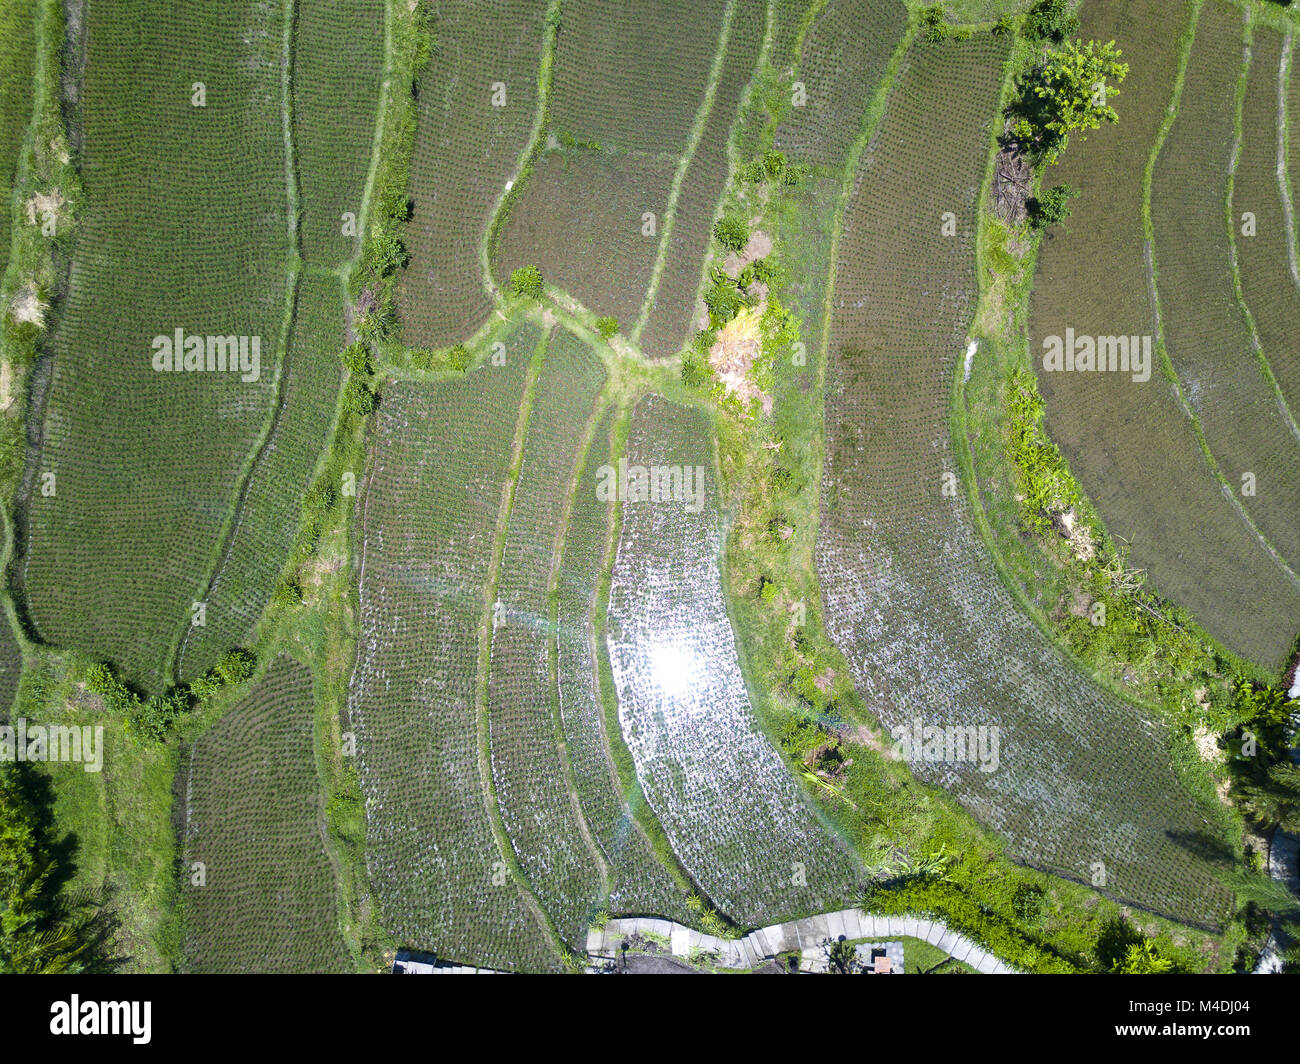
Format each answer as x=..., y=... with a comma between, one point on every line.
x=86, y=911
x=1204, y=847
x=1113, y=942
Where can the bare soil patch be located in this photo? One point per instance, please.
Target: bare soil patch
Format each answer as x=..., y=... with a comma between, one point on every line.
x=732, y=357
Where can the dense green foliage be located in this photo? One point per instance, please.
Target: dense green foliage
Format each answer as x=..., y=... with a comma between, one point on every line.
x=152, y=719
x=526, y=282
x=732, y=232
x=1051, y=206
x=1050, y=20
x=1068, y=92
x=1044, y=479
x=43, y=930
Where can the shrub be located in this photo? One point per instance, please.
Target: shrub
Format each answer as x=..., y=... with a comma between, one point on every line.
x=723, y=301
x=934, y=27
x=234, y=666
x=386, y=253
x=1050, y=20
x=1141, y=958
x=153, y=720
x=1052, y=207
x=764, y=269
x=1042, y=476
x=287, y=594
x=356, y=357
x=607, y=327
x=732, y=232
x=695, y=370
x=358, y=397
x=459, y=358
x=792, y=175
x=1027, y=903
x=526, y=281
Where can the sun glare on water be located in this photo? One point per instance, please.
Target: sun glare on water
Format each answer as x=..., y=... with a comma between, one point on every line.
x=675, y=667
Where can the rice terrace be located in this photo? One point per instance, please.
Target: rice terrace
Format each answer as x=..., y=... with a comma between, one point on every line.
x=566, y=486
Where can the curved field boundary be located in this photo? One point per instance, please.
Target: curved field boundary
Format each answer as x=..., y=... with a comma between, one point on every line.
x=1260, y=53
x=1205, y=339
x=1269, y=280
x=149, y=462
x=539, y=809
x=795, y=935
x=340, y=53
x=266, y=518
x=930, y=634
x=736, y=818
x=467, y=151
x=293, y=275
x=17, y=64
x=254, y=820
x=257, y=543
x=693, y=142
x=643, y=880
x=512, y=189
x=1131, y=445
x=844, y=53
x=668, y=314
x=443, y=458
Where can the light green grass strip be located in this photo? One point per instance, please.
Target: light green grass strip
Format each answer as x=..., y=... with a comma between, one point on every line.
x=490, y=799
x=527, y=156
x=697, y=134
x=1229, y=219
x=1166, y=364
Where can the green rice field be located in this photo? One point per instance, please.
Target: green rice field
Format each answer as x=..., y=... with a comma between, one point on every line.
x=476, y=471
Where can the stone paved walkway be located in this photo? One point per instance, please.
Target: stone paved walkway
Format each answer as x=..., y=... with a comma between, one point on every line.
x=804, y=936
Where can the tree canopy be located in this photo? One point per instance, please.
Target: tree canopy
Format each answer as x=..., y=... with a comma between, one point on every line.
x=1070, y=91
x=42, y=931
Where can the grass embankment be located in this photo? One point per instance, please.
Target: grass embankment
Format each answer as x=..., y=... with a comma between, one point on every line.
x=44, y=177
